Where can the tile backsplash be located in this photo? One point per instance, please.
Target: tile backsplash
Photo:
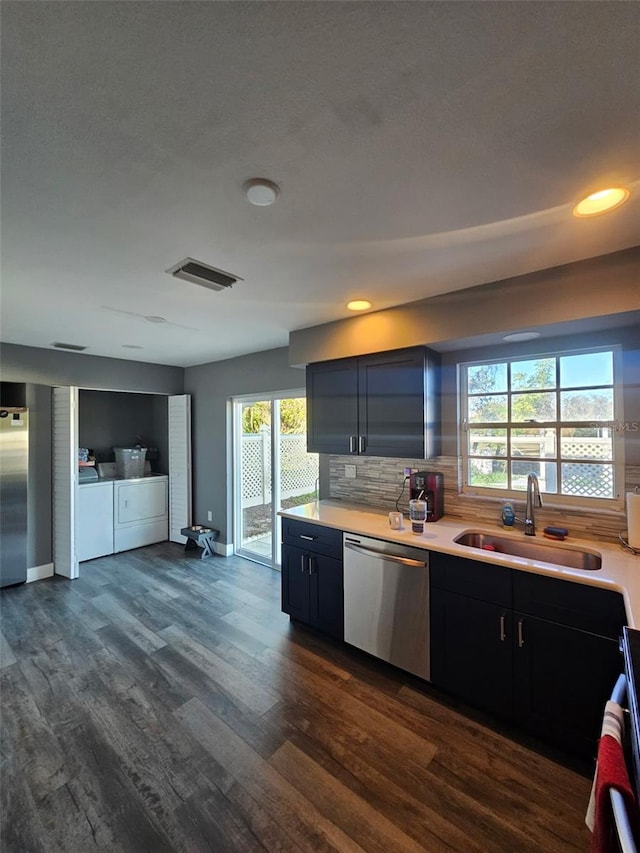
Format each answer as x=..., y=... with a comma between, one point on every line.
x=379, y=480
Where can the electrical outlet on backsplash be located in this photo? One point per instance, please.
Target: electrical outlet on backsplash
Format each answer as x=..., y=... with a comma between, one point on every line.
x=378, y=485
x=379, y=482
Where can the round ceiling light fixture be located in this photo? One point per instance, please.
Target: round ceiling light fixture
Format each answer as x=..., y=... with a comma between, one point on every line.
x=260, y=191
x=601, y=202
x=358, y=305
x=521, y=336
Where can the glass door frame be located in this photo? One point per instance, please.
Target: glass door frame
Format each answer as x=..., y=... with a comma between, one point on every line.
x=238, y=403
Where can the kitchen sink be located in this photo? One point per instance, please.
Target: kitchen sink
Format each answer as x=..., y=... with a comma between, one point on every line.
x=573, y=558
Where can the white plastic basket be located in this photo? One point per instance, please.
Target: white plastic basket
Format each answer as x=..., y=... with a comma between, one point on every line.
x=130, y=461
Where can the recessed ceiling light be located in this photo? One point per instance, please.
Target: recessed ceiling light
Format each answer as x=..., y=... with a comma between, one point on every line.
x=601, y=202
x=261, y=191
x=358, y=305
x=521, y=336
x=152, y=318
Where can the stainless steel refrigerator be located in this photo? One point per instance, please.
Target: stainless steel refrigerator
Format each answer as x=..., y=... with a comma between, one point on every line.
x=14, y=459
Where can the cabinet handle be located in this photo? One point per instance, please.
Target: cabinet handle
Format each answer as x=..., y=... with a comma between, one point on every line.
x=308, y=538
x=520, y=637
x=352, y=444
x=361, y=444
x=302, y=568
x=312, y=570
x=503, y=636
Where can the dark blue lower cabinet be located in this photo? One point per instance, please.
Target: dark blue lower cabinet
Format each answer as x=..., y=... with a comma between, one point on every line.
x=549, y=677
x=562, y=680
x=296, y=597
x=312, y=590
x=472, y=650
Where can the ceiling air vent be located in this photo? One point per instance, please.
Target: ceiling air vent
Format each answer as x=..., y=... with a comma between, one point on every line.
x=204, y=275
x=73, y=347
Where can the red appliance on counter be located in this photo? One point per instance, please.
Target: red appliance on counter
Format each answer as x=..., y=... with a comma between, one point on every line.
x=428, y=486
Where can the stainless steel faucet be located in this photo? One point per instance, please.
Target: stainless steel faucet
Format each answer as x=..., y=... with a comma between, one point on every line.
x=533, y=500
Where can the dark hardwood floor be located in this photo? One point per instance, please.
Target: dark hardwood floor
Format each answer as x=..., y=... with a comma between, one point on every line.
x=163, y=703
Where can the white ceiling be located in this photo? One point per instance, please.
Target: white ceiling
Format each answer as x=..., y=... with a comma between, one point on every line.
x=421, y=147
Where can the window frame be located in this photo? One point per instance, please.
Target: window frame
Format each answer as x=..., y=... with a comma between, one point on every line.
x=551, y=499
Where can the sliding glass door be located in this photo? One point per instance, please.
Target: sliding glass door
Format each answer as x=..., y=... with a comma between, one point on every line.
x=272, y=470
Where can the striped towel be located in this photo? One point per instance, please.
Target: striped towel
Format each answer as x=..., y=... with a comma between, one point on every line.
x=611, y=772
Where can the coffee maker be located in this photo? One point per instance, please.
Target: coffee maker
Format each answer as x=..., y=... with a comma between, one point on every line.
x=428, y=486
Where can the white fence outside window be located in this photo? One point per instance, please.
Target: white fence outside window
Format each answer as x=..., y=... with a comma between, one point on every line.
x=581, y=475
x=536, y=446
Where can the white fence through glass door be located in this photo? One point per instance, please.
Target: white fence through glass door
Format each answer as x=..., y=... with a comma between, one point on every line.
x=298, y=469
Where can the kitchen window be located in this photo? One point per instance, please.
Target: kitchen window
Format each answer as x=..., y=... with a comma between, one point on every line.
x=558, y=415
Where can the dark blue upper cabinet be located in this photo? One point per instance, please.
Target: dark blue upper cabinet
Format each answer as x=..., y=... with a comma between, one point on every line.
x=385, y=404
x=332, y=406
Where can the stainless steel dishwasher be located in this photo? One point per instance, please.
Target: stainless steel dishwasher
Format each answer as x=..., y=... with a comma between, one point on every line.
x=386, y=601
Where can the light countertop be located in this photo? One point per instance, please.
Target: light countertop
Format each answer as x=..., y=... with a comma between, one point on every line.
x=620, y=569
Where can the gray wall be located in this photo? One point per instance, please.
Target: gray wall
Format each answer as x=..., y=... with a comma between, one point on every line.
x=55, y=367
x=212, y=386
x=41, y=369
x=108, y=419
x=583, y=290
x=627, y=337
x=161, y=426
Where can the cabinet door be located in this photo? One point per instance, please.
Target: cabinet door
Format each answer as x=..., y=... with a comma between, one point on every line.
x=472, y=650
x=391, y=394
x=295, y=583
x=563, y=678
x=332, y=407
x=326, y=595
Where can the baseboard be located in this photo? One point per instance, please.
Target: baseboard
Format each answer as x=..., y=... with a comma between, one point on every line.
x=220, y=548
x=38, y=573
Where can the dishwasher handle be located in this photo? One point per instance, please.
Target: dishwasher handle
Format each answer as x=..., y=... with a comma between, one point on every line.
x=381, y=555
